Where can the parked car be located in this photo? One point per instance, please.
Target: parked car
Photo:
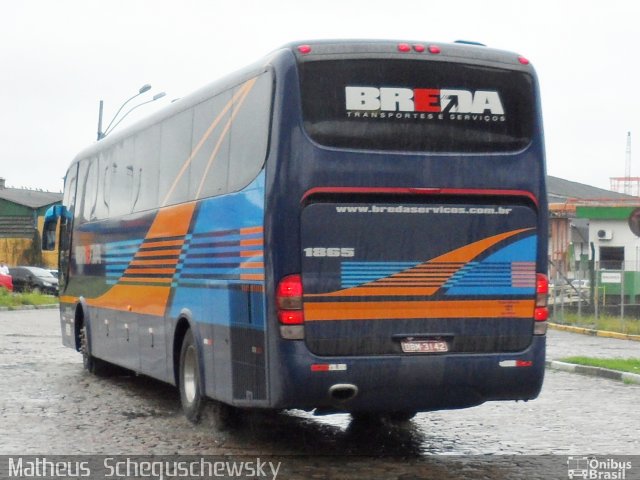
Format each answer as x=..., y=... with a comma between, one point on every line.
x=6, y=282
x=33, y=279
x=54, y=272
x=580, y=284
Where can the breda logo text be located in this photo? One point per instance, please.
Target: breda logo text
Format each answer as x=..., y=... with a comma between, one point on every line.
x=424, y=103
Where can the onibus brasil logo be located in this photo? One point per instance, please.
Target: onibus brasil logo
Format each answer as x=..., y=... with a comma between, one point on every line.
x=597, y=469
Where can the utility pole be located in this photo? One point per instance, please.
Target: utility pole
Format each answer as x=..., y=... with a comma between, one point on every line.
x=627, y=167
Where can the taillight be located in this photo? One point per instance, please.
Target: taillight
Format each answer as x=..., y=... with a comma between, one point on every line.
x=289, y=304
x=541, y=312
x=289, y=293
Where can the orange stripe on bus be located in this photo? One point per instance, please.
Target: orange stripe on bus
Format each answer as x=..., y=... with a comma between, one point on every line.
x=411, y=274
x=165, y=243
x=172, y=221
x=251, y=276
x=68, y=299
x=251, y=241
x=252, y=265
x=316, y=311
x=460, y=256
x=169, y=261
x=469, y=252
x=146, y=280
x=157, y=253
x=144, y=299
x=373, y=291
x=251, y=253
x=251, y=230
x=148, y=271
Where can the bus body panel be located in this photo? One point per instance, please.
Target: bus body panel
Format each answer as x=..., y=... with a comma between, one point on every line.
x=384, y=277
x=219, y=261
x=313, y=168
x=411, y=382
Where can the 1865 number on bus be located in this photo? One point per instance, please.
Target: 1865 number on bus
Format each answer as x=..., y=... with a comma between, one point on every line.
x=345, y=252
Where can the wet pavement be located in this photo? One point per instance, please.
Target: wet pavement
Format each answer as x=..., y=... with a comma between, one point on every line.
x=565, y=344
x=49, y=405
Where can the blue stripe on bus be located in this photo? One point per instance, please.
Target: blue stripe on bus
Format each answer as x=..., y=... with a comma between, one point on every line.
x=509, y=271
x=353, y=274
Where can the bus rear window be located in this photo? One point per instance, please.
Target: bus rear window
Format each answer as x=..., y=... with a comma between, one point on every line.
x=407, y=105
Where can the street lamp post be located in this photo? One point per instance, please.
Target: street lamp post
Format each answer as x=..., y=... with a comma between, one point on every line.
x=157, y=96
x=101, y=133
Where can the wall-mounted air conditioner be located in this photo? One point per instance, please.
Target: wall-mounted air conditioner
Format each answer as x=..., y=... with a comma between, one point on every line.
x=605, y=234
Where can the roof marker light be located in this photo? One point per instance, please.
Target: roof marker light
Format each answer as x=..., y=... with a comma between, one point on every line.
x=434, y=49
x=523, y=61
x=404, y=47
x=304, y=49
x=419, y=48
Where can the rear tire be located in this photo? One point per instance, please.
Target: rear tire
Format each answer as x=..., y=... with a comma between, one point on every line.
x=91, y=364
x=191, y=392
x=371, y=418
x=399, y=417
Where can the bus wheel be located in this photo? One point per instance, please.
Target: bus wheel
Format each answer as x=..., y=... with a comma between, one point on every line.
x=189, y=380
x=224, y=416
x=91, y=364
x=374, y=418
x=399, y=417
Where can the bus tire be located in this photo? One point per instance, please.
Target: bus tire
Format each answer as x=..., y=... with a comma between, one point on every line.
x=191, y=396
x=399, y=417
x=372, y=418
x=91, y=364
x=225, y=417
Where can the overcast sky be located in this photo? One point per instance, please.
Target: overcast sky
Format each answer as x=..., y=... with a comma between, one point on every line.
x=59, y=58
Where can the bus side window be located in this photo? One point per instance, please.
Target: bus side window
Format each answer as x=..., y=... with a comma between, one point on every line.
x=121, y=188
x=210, y=142
x=66, y=223
x=175, y=150
x=250, y=133
x=146, y=169
x=49, y=236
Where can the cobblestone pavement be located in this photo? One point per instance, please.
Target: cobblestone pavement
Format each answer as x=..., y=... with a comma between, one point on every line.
x=565, y=344
x=49, y=405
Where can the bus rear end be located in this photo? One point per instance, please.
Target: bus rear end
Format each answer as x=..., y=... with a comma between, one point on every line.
x=418, y=221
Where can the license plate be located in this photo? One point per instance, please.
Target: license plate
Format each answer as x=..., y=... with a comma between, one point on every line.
x=424, y=346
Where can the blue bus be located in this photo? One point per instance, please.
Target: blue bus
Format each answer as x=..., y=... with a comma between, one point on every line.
x=345, y=226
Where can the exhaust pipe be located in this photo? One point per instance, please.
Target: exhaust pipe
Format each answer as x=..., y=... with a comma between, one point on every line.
x=343, y=392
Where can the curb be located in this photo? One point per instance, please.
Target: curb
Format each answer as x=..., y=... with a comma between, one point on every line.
x=28, y=307
x=594, y=371
x=594, y=333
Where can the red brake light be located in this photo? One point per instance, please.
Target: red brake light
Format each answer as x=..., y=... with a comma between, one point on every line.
x=289, y=293
x=541, y=312
x=291, y=317
x=304, y=49
x=404, y=47
x=542, y=284
x=289, y=300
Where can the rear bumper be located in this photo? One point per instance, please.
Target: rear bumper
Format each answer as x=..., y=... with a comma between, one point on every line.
x=407, y=382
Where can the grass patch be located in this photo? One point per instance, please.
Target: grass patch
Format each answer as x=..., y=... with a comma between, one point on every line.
x=630, y=365
x=14, y=300
x=630, y=326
